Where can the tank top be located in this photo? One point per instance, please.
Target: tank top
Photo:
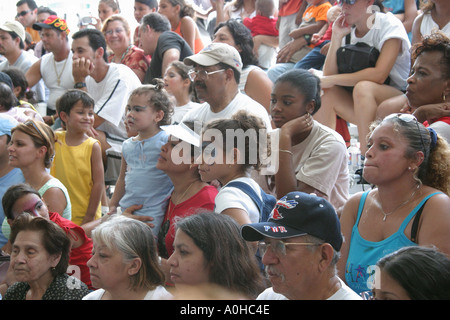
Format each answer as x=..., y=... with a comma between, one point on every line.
x=50, y=76
x=428, y=26
x=55, y=183
x=363, y=254
x=198, y=42
x=72, y=166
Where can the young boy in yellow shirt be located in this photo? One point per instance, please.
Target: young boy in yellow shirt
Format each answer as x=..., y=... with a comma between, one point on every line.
x=78, y=158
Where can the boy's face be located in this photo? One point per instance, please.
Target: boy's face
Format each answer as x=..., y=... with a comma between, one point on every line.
x=80, y=117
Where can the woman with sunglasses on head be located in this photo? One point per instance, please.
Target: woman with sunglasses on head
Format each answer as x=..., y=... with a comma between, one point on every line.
x=409, y=166
x=118, y=38
x=355, y=96
x=32, y=149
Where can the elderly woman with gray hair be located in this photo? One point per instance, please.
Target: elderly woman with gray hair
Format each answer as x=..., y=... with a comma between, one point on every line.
x=124, y=263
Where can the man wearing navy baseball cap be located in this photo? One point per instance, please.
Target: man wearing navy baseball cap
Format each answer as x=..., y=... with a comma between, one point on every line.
x=300, y=244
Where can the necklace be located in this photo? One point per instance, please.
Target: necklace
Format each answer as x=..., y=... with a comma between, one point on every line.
x=401, y=204
x=125, y=53
x=58, y=76
x=182, y=196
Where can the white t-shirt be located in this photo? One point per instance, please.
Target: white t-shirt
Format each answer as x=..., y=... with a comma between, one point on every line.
x=180, y=111
x=111, y=96
x=240, y=102
x=24, y=63
x=160, y=293
x=231, y=197
x=387, y=26
x=344, y=293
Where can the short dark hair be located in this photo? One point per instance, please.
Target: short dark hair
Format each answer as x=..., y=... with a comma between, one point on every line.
x=43, y=9
x=156, y=22
x=14, y=193
x=96, y=39
x=152, y=4
x=18, y=79
x=31, y=4
x=66, y=102
x=7, y=97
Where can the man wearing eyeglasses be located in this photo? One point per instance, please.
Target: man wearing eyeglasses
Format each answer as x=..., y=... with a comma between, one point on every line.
x=216, y=74
x=300, y=244
x=27, y=15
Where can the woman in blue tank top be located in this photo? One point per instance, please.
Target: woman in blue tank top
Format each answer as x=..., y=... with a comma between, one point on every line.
x=408, y=164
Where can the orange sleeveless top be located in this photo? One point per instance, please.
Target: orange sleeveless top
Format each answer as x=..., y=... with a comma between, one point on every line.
x=198, y=42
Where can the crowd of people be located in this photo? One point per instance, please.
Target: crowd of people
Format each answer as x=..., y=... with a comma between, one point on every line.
x=150, y=173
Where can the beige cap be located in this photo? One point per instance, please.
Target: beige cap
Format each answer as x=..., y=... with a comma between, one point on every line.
x=14, y=26
x=216, y=53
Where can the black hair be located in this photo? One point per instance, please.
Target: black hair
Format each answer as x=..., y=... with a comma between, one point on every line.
x=96, y=39
x=31, y=4
x=305, y=82
x=152, y=4
x=243, y=38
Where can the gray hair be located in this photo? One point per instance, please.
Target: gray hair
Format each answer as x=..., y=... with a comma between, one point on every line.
x=134, y=239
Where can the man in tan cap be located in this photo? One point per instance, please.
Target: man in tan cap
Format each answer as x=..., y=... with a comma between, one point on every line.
x=12, y=44
x=216, y=74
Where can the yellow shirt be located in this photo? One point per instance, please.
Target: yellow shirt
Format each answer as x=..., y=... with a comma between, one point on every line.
x=72, y=166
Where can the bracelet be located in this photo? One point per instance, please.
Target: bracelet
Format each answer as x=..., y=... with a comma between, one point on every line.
x=286, y=151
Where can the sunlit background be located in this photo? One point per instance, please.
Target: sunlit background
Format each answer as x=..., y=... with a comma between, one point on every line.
x=69, y=9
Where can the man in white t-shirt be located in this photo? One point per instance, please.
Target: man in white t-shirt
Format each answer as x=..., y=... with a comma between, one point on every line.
x=300, y=244
x=109, y=84
x=216, y=73
x=12, y=44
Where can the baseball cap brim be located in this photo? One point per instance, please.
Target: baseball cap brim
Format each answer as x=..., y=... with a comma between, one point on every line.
x=40, y=26
x=201, y=59
x=258, y=231
x=183, y=132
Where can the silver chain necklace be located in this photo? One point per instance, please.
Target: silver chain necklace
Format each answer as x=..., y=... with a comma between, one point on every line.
x=401, y=204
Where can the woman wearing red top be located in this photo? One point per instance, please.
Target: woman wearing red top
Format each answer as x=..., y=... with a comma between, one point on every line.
x=190, y=194
x=23, y=198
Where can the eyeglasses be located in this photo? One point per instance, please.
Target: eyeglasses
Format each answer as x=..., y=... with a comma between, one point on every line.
x=22, y=13
x=202, y=73
x=279, y=247
x=117, y=31
x=27, y=123
x=406, y=117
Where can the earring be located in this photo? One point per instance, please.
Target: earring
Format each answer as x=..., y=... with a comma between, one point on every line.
x=443, y=97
